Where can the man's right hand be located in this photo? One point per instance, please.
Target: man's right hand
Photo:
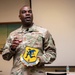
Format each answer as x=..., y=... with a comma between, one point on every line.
x=15, y=43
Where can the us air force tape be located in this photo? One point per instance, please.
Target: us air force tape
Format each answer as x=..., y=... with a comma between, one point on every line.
x=29, y=57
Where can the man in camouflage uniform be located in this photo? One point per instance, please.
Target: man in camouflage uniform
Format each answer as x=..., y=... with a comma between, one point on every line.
x=29, y=35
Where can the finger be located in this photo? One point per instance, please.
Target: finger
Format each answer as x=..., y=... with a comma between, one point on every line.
x=14, y=45
x=16, y=42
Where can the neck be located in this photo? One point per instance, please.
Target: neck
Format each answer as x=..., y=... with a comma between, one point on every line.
x=27, y=25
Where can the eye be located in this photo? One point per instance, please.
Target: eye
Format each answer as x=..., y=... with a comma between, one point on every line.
x=30, y=11
x=23, y=12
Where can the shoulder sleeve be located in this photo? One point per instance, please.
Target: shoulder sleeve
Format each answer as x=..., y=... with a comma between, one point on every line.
x=48, y=48
x=7, y=53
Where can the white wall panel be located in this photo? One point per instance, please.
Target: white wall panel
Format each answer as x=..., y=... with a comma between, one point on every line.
x=58, y=16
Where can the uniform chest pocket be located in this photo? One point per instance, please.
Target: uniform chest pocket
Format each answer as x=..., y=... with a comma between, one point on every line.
x=34, y=40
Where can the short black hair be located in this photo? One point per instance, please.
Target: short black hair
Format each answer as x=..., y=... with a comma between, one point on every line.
x=22, y=7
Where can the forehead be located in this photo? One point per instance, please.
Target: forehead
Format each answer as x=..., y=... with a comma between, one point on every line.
x=26, y=8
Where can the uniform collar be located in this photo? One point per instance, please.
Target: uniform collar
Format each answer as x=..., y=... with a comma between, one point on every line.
x=33, y=28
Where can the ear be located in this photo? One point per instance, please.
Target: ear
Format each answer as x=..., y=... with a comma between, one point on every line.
x=19, y=17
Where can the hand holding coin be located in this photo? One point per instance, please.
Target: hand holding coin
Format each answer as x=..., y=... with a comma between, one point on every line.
x=16, y=42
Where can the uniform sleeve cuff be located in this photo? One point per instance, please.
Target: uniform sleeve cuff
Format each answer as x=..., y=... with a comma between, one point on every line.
x=45, y=58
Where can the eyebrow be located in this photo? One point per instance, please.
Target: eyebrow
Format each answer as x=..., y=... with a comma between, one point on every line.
x=26, y=10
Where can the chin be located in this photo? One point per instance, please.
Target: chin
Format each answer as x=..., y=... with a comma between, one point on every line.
x=27, y=24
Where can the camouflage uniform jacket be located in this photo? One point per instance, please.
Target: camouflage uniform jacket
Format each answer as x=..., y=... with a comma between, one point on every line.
x=36, y=37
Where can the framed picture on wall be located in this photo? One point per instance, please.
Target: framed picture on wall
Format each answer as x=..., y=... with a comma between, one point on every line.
x=5, y=29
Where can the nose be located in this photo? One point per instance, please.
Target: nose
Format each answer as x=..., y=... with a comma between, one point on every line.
x=27, y=12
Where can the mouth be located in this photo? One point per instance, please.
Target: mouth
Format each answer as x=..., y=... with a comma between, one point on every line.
x=28, y=19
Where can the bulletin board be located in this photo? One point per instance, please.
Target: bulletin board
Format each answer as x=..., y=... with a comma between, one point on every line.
x=5, y=29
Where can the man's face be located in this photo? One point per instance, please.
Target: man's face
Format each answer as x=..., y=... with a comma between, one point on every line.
x=26, y=15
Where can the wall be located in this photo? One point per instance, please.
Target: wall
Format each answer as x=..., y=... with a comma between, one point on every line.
x=5, y=66
x=58, y=16
x=9, y=9
x=9, y=13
